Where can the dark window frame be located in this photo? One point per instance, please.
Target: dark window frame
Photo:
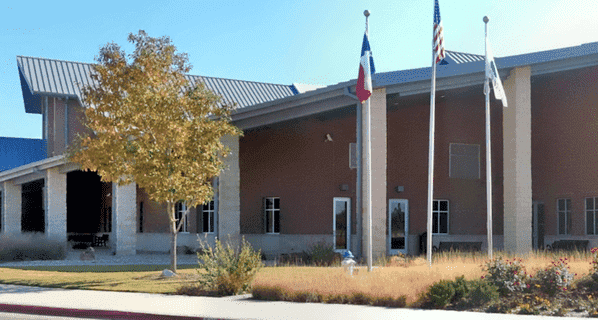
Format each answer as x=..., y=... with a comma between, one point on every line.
x=272, y=214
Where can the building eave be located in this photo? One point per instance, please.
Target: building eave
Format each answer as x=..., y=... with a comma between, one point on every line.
x=415, y=81
x=33, y=167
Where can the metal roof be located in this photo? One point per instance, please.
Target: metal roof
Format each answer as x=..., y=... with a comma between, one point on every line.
x=15, y=152
x=50, y=77
x=460, y=57
x=541, y=62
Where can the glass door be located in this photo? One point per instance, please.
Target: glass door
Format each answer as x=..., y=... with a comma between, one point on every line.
x=341, y=224
x=398, y=226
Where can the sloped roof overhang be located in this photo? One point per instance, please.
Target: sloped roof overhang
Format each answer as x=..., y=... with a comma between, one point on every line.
x=412, y=82
x=34, y=168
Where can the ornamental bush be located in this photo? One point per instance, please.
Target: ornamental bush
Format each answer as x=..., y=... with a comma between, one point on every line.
x=594, y=263
x=322, y=254
x=556, y=278
x=480, y=293
x=441, y=293
x=507, y=275
x=30, y=247
x=226, y=269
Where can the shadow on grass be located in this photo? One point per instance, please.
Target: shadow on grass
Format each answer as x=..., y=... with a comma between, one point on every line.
x=98, y=268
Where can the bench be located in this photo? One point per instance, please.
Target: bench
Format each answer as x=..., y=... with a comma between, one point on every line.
x=469, y=246
x=569, y=245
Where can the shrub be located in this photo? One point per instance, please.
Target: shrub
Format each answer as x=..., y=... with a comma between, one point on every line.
x=31, y=247
x=556, y=278
x=480, y=293
x=228, y=270
x=594, y=263
x=441, y=293
x=507, y=275
x=322, y=254
x=267, y=293
x=296, y=259
x=461, y=287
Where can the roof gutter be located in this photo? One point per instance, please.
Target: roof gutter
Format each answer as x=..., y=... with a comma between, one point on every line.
x=32, y=167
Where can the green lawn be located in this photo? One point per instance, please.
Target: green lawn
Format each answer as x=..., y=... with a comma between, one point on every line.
x=134, y=278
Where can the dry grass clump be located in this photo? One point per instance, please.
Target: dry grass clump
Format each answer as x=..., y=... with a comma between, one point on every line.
x=396, y=282
x=392, y=284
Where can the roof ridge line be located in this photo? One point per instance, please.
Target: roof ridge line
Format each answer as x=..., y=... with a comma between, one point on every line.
x=192, y=75
x=473, y=54
x=270, y=83
x=70, y=61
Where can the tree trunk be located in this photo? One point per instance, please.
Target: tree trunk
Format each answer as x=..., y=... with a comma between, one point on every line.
x=173, y=239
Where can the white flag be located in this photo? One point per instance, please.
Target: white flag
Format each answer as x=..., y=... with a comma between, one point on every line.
x=492, y=74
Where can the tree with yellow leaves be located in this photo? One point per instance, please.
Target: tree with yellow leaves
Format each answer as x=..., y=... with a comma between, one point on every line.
x=148, y=125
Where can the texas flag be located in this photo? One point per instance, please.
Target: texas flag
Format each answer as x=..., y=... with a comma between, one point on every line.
x=363, y=90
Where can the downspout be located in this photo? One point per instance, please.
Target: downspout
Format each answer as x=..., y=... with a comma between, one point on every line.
x=45, y=119
x=358, y=183
x=66, y=123
x=216, y=186
x=53, y=125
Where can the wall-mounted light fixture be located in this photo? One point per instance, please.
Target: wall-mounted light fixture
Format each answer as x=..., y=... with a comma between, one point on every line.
x=399, y=189
x=344, y=187
x=328, y=138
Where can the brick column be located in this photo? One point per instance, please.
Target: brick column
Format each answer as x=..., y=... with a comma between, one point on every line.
x=55, y=205
x=229, y=203
x=378, y=114
x=517, y=162
x=11, y=208
x=124, y=208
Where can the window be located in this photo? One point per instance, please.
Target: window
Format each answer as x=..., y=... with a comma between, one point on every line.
x=341, y=224
x=141, y=217
x=563, y=209
x=179, y=211
x=440, y=213
x=464, y=161
x=591, y=209
x=208, y=217
x=33, y=217
x=272, y=214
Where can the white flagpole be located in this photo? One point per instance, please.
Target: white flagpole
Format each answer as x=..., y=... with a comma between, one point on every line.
x=431, y=153
x=488, y=153
x=368, y=161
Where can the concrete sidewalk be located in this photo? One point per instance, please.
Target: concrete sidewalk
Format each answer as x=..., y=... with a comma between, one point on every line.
x=123, y=305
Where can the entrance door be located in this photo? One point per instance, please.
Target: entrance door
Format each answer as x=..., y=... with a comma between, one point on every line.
x=537, y=225
x=398, y=226
x=341, y=224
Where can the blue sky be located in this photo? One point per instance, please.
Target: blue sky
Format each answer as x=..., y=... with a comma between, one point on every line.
x=313, y=42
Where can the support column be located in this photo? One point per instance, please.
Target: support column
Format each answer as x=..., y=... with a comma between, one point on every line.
x=124, y=207
x=55, y=205
x=11, y=209
x=229, y=202
x=378, y=132
x=517, y=163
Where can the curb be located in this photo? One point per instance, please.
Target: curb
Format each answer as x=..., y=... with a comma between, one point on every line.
x=101, y=314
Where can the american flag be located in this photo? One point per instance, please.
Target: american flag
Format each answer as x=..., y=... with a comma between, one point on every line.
x=439, y=54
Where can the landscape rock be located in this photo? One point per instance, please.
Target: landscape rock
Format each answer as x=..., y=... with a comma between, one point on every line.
x=167, y=273
x=88, y=254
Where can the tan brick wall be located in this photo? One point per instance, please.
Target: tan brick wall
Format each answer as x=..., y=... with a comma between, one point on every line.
x=229, y=207
x=517, y=154
x=379, y=154
x=55, y=204
x=11, y=208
